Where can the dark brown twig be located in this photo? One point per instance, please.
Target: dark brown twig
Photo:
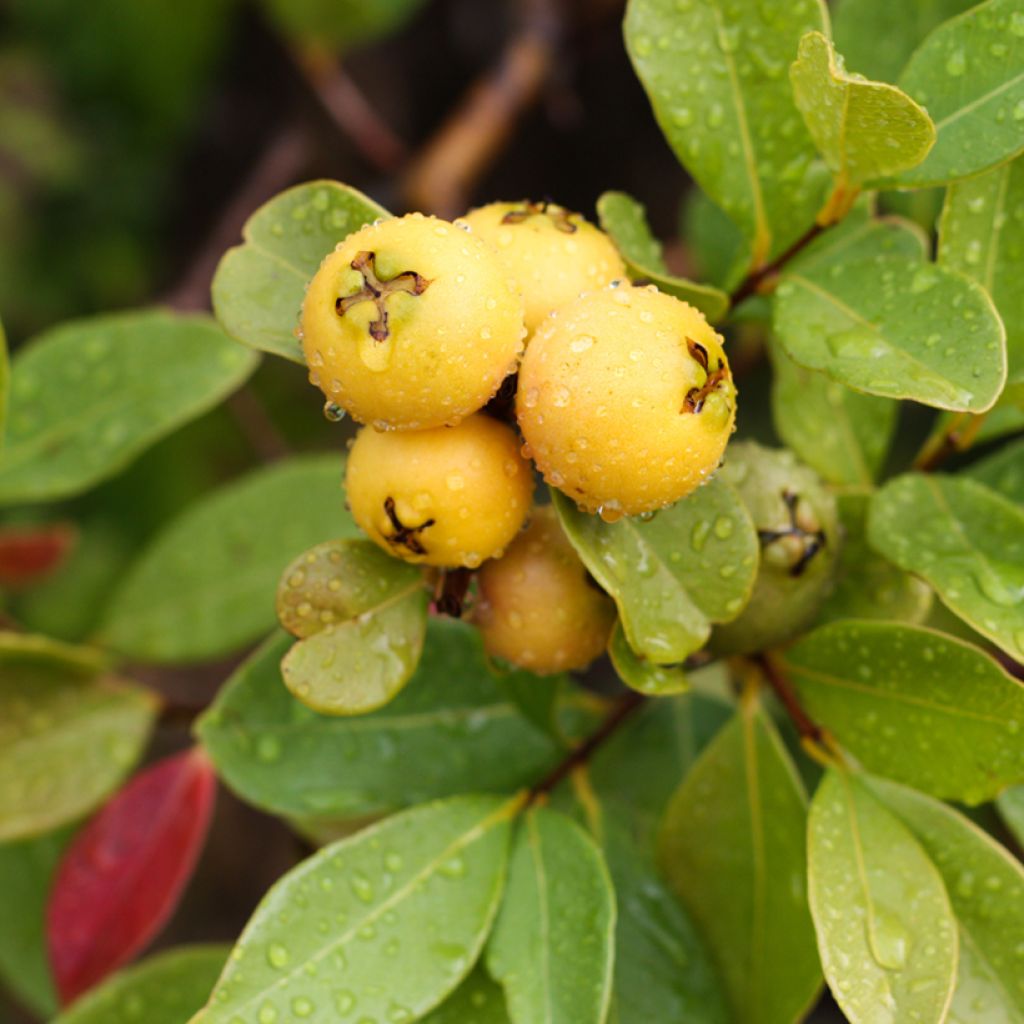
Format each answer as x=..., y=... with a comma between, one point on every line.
x=958, y=436
x=629, y=703
x=349, y=108
x=754, y=281
x=442, y=176
x=805, y=725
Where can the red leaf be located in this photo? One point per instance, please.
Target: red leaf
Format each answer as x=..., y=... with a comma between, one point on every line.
x=28, y=553
x=122, y=877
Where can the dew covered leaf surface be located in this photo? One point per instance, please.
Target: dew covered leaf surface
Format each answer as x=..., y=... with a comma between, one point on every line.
x=67, y=737
x=886, y=930
x=205, y=586
x=626, y=221
x=452, y=729
x=716, y=76
x=1003, y=471
x=89, y=396
x=913, y=705
x=478, y=1000
x=384, y=924
x=969, y=75
x=259, y=286
x=553, y=948
x=673, y=575
x=985, y=884
x=732, y=848
x=966, y=541
x=640, y=674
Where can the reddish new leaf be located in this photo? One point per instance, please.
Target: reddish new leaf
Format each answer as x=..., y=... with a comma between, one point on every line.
x=28, y=553
x=122, y=877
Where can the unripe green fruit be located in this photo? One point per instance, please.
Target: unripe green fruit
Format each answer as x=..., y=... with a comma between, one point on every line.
x=411, y=323
x=452, y=496
x=537, y=608
x=625, y=400
x=553, y=254
x=797, y=523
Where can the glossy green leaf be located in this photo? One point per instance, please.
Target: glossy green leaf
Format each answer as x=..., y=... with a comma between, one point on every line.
x=886, y=930
x=259, y=285
x=26, y=870
x=982, y=234
x=553, y=945
x=840, y=433
x=986, y=889
x=732, y=848
x=716, y=245
x=340, y=26
x=636, y=772
x=640, y=674
x=626, y=221
x=715, y=74
x=859, y=235
x=966, y=540
x=877, y=37
x=864, y=129
x=452, y=730
x=360, y=616
x=914, y=705
x=67, y=738
x=867, y=585
x=384, y=924
x=969, y=75
x=205, y=586
x=89, y=396
x=1003, y=472
x=662, y=970
x=894, y=327
x=478, y=1000
x=165, y=989
x=5, y=372
x=1011, y=808
x=675, y=574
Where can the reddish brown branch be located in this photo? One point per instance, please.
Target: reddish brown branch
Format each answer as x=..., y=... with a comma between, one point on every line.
x=442, y=176
x=805, y=725
x=757, y=279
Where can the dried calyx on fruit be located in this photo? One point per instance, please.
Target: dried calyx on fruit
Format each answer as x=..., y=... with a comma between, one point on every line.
x=552, y=253
x=625, y=400
x=538, y=607
x=451, y=496
x=411, y=323
x=797, y=524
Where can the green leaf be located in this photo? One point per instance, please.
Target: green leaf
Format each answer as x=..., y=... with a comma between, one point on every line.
x=640, y=674
x=877, y=36
x=26, y=868
x=1011, y=808
x=986, y=889
x=638, y=769
x=67, y=738
x=259, y=285
x=966, y=541
x=1003, y=471
x=384, y=924
x=553, y=943
x=969, y=75
x=864, y=129
x=662, y=970
x=478, y=1000
x=892, y=326
x=841, y=434
x=340, y=26
x=626, y=221
x=452, y=730
x=5, y=373
x=981, y=234
x=716, y=246
x=914, y=705
x=716, y=77
x=732, y=848
x=675, y=574
x=89, y=396
x=205, y=586
x=360, y=616
x=867, y=585
x=885, y=927
x=165, y=989
x=859, y=235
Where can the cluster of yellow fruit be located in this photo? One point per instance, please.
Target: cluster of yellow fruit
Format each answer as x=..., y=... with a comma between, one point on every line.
x=624, y=402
